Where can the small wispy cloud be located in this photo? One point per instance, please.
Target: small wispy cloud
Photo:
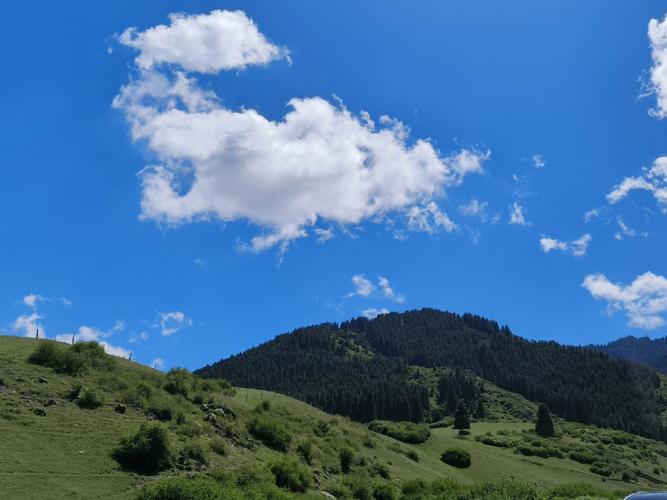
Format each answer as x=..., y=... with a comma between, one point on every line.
x=516, y=215
x=171, y=322
x=577, y=247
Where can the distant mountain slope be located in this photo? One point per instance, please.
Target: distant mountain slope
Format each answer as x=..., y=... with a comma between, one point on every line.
x=361, y=368
x=641, y=350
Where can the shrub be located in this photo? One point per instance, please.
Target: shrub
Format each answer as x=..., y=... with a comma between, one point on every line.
x=264, y=405
x=161, y=409
x=290, y=475
x=412, y=455
x=72, y=360
x=383, y=491
x=305, y=449
x=601, y=468
x=271, y=433
x=47, y=353
x=407, y=432
x=179, y=381
x=456, y=457
x=197, y=488
x=149, y=450
x=577, y=490
x=346, y=457
x=490, y=440
x=218, y=445
x=583, y=457
x=90, y=399
x=193, y=455
x=515, y=490
x=380, y=470
x=359, y=487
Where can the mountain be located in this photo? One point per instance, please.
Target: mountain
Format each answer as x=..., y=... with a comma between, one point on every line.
x=66, y=411
x=643, y=350
x=365, y=369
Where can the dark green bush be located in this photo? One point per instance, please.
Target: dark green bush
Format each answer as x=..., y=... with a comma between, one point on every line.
x=456, y=457
x=181, y=488
x=380, y=470
x=179, y=381
x=346, y=457
x=290, y=475
x=577, y=490
x=218, y=445
x=407, y=432
x=490, y=440
x=161, y=409
x=601, y=468
x=72, y=360
x=270, y=432
x=193, y=455
x=359, y=487
x=506, y=489
x=412, y=455
x=384, y=491
x=305, y=449
x=89, y=399
x=47, y=353
x=148, y=451
x=583, y=457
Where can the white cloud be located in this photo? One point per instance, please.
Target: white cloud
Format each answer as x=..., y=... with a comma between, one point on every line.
x=592, y=215
x=171, y=322
x=429, y=219
x=28, y=325
x=141, y=336
x=32, y=300
x=320, y=162
x=374, y=312
x=624, y=230
x=474, y=208
x=653, y=179
x=388, y=291
x=118, y=326
x=538, y=161
x=199, y=262
x=516, y=215
x=577, y=247
x=206, y=43
x=644, y=301
x=65, y=301
x=157, y=363
x=657, y=34
x=363, y=286
x=549, y=244
x=324, y=235
x=90, y=334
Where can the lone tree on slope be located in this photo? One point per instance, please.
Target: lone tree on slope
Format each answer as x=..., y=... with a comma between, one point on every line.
x=544, y=425
x=461, y=417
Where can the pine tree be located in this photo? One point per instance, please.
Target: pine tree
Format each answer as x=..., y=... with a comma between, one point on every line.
x=544, y=425
x=480, y=412
x=461, y=417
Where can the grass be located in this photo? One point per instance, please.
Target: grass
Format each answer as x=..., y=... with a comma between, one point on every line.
x=67, y=452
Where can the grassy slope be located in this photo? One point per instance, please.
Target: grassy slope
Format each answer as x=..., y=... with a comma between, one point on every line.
x=66, y=454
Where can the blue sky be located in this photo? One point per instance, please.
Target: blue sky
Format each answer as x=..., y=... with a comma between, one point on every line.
x=160, y=195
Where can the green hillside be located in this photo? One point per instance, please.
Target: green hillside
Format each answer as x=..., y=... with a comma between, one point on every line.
x=59, y=431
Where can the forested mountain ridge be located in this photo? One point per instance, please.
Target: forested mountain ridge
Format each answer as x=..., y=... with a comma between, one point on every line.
x=361, y=368
x=643, y=350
